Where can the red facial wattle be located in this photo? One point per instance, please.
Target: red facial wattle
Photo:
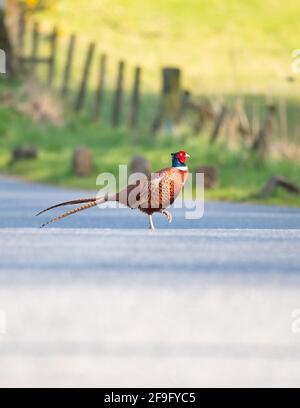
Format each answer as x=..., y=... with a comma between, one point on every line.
x=181, y=156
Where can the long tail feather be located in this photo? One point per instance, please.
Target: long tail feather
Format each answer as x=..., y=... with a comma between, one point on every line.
x=74, y=211
x=80, y=201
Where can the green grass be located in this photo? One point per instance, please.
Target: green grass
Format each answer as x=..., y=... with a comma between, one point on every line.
x=240, y=173
x=222, y=46
x=225, y=49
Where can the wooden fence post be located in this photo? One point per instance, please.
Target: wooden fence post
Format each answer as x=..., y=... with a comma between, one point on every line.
x=85, y=75
x=52, y=58
x=283, y=118
x=68, y=66
x=135, y=99
x=219, y=122
x=171, y=94
x=254, y=124
x=35, y=45
x=7, y=63
x=21, y=33
x=100, y=88
x=117, y=102
x=262, y=141
x=170, y=106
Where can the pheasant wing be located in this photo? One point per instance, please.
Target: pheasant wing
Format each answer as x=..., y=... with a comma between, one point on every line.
x=157, y=190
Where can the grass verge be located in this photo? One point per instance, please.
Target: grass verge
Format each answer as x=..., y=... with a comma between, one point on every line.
x=240, y=173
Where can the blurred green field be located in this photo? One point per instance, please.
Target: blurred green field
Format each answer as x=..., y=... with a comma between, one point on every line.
x=226, y=50
x=222, y=46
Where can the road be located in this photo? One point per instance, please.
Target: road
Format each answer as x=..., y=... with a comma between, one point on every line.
x=98, y=300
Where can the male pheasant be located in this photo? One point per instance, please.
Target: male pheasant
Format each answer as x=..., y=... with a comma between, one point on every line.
x=151, y=194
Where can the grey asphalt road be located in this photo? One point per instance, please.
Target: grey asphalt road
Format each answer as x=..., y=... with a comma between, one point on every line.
x=98, y=300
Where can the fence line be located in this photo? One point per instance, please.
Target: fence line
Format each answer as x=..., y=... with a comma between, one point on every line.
x=173, y=106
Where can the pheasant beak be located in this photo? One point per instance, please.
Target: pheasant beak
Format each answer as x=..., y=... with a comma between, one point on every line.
x=187, y=155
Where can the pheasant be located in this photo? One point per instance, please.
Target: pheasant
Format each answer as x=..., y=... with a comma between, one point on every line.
x=151, y=194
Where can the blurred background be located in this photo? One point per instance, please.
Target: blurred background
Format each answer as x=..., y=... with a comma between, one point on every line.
x=93, y=85
x=100, y=300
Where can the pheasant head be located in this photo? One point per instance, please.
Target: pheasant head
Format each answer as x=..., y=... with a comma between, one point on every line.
x=179, y=160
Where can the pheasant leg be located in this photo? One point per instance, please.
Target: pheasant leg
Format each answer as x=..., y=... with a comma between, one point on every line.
x=151, y=225
x=168, y=215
